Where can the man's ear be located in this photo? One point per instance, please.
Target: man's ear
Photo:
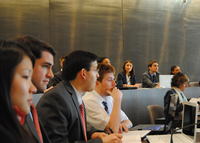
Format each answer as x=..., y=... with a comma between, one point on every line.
x=83, y=73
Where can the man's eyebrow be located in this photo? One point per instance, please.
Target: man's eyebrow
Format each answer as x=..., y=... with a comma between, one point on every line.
x=47, y=63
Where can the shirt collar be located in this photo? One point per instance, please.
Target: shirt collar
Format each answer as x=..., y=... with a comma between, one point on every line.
x=152, y=74
x=79, y=97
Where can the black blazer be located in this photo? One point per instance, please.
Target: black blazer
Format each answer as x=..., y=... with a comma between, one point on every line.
x=59, y=112
x=121, y=79
x=147, y=80
x=55, y=80
x=29, y=124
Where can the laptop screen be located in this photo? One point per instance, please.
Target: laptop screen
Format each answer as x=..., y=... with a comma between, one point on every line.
x=165, y=81
x=189, y=117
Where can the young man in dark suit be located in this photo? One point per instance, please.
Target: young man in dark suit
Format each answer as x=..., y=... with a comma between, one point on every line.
x=42, y=72
x=150, y=78
x=61, y=109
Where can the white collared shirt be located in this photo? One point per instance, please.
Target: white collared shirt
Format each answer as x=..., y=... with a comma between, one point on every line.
x=96, y=114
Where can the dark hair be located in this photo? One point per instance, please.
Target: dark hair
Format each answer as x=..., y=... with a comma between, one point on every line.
x=62, y=59
x=151, y=63
x=172, y=69
x=76, y=61
x=132, y=72
x=11, y=54
x=179, y=79
x=103, y=69
x=35, y=45
x=100, y=59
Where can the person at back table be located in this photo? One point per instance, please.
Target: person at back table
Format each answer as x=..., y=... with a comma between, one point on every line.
x=103, y=104
x=42, y=72
x=175, y=69
x=16, y=64
x=61, y=109
x=175, y=97
x=57, y=76
x=150, y=78
x=104, y=60
x=127, y=77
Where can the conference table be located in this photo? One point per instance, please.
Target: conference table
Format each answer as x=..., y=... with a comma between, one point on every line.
x=135, y=102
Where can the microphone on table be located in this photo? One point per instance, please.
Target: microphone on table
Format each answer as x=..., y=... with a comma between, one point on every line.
x=171, y=141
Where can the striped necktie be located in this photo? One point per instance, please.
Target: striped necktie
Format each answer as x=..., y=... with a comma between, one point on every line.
x=105, y=106
x=154, y=78
x=36, y=122
x=83, y=120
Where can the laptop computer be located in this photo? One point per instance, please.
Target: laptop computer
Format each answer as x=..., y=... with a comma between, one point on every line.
x=158, y=128
x=187, y=135
x=127, y=88
x=165, y=81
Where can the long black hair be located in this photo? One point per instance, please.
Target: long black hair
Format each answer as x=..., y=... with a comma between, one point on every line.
x=11, y=54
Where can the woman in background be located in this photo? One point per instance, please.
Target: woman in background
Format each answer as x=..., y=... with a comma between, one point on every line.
x=174, y=98
x=16, y=67
x=175, y=69
x=127, y=76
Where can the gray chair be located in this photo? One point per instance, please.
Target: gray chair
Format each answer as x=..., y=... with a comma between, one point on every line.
x=155, y=111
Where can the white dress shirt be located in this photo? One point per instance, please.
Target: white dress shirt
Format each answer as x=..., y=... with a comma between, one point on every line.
x=96, y=114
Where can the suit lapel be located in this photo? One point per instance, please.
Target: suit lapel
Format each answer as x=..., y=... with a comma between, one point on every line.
x=75, y=101
x=31, y=127
x=125, y=81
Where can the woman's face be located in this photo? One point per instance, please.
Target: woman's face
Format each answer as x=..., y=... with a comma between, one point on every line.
x=183, y=86
x=176, y=70
x=22, y=86
x=128, y=67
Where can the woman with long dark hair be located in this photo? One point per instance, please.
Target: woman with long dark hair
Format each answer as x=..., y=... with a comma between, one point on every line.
x=16, y=67
x=127, y=76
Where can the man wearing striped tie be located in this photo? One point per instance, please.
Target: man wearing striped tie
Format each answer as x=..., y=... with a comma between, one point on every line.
x=61, y=109
x=103, y=104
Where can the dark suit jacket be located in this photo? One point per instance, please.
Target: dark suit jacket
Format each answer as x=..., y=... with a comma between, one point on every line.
x=121, y=79
x=147, y=80
x=31, y=127
x=59, y=112
x=7, y=137
x=55, y=80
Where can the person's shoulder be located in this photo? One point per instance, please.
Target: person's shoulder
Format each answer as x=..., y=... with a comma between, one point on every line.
x=146, y=73
x=120, y=74
x=158, y=73
x=89, y=96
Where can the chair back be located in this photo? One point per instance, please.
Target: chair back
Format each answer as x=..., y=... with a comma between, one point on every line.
x=155, y=111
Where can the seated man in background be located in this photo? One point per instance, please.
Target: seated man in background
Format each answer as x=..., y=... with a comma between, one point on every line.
x=103, y=104
x=61, y=109
x=42, y=72
x=57, y=76
x=150, y=78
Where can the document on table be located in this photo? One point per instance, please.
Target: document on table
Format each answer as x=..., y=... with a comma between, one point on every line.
x=134, y=136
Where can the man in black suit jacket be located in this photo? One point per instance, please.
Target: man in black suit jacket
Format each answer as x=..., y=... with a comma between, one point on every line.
x=57, y=76
x=42, y=72
x=150, y=78
x=59, y=108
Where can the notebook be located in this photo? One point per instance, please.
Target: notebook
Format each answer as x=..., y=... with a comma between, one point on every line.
x=165, y=81
x=187, y=135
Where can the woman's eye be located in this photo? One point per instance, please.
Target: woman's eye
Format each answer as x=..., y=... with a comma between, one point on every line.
x=26, y=77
